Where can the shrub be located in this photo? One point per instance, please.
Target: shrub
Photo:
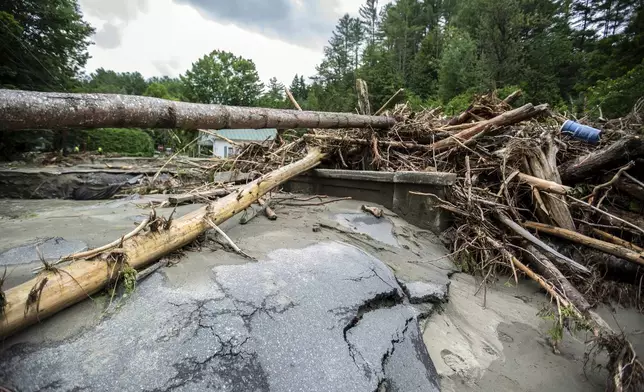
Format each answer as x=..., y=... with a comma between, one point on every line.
x=616, y=97
x=124, y=141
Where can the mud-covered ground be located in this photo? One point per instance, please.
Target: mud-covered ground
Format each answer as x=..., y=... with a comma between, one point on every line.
x=321, y=310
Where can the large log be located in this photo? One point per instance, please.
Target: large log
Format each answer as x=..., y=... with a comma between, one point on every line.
x=525, y=112
x=548, y=270
x=56, y=290
x=624, y=150
x=607, y=247
x=542, y=163
x=35, y=110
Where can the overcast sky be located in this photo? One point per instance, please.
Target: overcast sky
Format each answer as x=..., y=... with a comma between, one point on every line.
x=164, y=37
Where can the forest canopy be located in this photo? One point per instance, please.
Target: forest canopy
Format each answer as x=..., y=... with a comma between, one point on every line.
x=583, y=56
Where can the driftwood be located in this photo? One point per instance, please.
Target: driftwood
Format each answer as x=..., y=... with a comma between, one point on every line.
x=542, y=163
x=607, y=247
x=202, y=196
x=561, y=259
x=618, y=241
x=544, y=185
x=629, y=187
x=292, y=99
x=624, y=150
x=513, y=97
x=268, y=211
x=525, y=112
x=364, y=107
x=389, y=101
x=365, y=142
x=36, y=110
x=545, y=267
x=75, y=282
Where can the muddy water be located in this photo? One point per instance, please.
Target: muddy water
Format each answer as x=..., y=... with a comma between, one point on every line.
x=380, y=229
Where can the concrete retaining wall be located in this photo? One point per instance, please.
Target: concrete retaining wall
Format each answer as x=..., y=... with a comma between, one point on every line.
x=391, y=190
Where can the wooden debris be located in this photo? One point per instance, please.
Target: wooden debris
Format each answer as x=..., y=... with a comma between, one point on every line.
x=85, y=277
x=38, y=110
x=375, y=211
x=607, y=247
x=512, y=117
x=624, y=150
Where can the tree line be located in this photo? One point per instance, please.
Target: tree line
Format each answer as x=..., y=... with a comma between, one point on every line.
x=584, y=56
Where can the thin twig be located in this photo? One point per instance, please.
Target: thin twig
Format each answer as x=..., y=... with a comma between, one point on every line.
x=230, y=242
x=607, y=214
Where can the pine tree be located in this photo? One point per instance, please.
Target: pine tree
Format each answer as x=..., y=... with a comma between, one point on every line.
x=369, y=15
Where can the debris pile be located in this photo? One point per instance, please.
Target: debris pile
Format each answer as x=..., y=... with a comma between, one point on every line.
x=529, y=200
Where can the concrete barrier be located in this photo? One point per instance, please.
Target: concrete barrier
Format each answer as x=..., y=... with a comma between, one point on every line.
x=388, y=189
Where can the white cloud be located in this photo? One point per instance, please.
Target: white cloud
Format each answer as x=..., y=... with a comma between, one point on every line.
x=166, y=38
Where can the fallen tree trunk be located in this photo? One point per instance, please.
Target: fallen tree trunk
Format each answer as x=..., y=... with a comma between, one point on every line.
x=563, y=260
x=604, y=246
x=618, y=153
x=56, y=289
x=512, y=117
x=548, y=270
x=543, y=164
x=36, y=110
x=618, y=241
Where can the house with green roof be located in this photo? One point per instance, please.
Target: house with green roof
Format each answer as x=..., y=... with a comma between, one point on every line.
x=219, y=140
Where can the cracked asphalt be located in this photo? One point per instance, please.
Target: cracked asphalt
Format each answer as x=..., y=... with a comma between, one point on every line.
x=328, y=317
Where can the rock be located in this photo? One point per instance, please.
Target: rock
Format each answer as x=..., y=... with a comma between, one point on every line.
x=325, y=318
x=420, y=292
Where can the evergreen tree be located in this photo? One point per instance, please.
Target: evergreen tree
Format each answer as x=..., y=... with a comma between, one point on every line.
x=274, y=97
x=43, y=44
x=370, y=20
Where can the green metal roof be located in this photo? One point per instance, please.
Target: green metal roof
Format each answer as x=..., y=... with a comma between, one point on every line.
x=258, y=135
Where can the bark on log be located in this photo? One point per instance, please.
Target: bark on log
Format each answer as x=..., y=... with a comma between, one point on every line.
x=512, y=117
x=545, y=267
x=607, y=158
x=76, y=281
x=364, y=107
x=544, y=185
x=543, y=164
x=181, y=199
x=630, y=188
x=36, y=110
x=513, y=97
x=618, y=241
x=604, y=246
x=561, y=259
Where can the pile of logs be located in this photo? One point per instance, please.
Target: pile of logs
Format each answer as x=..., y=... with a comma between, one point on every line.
x=524, y=193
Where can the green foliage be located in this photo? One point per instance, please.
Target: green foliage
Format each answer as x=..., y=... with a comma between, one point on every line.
x=459, y=103
x=616, y=97
x=379, y=73
x=274, y=97
x=110, y=82
x=566, y=318
x=132, y=142
x=457, y=71
x=223, y=78
x=43, y=44
x=129, y=279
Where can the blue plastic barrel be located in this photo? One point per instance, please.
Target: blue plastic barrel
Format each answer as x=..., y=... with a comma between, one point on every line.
x=581, y=132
